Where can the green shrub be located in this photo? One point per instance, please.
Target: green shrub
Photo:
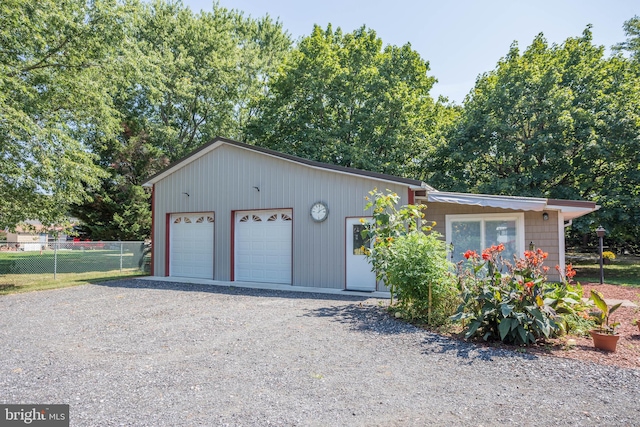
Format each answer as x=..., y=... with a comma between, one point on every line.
x=577, y=324
x=421, y=275
x=571, y=311
x=410, y=259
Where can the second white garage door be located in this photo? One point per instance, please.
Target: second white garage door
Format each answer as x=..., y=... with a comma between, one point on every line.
x=263, y=246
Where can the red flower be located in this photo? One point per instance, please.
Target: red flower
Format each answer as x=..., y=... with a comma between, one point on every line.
x=470, y=254
x=529, y=285
x=486, y=255
x=570, y=271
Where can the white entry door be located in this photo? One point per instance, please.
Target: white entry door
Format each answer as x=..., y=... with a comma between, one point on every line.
x=191, y=245
x=360, y=276
x=263, y=246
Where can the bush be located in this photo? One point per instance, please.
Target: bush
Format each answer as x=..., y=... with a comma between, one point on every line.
x=424, y=285
x=519, y=306
x=410, y=259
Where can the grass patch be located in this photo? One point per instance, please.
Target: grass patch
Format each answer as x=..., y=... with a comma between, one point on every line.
x=22, y=271
x=70, y=261
x=616, y=273
x=17, y=283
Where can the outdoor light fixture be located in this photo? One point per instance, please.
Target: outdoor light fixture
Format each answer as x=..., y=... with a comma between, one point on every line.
x=600, y=232
x=532, y=247
x=545, y=216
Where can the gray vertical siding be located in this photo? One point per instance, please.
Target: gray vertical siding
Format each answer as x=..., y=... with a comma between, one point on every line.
x=222, y=181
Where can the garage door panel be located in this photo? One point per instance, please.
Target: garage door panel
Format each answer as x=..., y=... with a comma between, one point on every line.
x=263, y=246
x=191, y=245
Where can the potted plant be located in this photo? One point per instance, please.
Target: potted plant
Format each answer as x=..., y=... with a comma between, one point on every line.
x=605, y=337
x=607, y=257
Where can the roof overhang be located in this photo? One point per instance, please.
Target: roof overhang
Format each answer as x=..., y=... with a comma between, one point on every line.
x=570, y=209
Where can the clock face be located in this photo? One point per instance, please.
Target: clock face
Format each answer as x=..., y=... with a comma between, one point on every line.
x=319, y=212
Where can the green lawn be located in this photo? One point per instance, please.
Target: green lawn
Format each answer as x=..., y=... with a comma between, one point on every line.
x=69, y=261
x=30, y=271
x=15, y=283
x=625, y=271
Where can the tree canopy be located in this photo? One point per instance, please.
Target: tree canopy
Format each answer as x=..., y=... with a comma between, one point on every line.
x=344, y=99
x=191, y=77
x=55, y=59
x=97, y=95
x=558, y=121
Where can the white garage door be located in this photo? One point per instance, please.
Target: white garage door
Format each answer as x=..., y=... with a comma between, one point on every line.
x=191, y=245
x=263, y=246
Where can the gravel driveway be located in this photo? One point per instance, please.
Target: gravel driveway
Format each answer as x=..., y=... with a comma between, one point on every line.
x=145, y=353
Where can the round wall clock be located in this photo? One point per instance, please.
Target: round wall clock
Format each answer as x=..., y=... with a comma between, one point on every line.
x=319, y=211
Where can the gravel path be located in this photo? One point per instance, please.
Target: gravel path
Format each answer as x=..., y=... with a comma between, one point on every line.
x=144, y=353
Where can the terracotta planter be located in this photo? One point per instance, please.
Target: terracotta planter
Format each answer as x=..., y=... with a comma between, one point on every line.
x=604, y=342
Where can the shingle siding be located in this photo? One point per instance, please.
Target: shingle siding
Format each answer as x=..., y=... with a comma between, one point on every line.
x=544, y=234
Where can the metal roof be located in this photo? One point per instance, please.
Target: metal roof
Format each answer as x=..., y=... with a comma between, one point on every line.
x=570, y=208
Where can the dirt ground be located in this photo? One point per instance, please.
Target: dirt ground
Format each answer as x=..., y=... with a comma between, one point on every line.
x=627, y=354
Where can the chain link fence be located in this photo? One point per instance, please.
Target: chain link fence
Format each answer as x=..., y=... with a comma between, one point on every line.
x=73, y=257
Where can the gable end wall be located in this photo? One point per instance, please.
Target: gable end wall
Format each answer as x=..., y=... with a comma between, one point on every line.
x=223, y=181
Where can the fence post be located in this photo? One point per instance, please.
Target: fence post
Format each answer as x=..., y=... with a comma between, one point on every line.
x=55, y=260
x=120, y=257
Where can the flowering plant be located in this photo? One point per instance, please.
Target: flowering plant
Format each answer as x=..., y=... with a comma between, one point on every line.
x=608, y=255
x=517, y=306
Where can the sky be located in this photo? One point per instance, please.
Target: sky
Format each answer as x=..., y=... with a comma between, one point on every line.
x=460, y=39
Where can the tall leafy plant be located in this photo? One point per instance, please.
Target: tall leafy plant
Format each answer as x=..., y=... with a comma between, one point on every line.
x=517, y=306
x=410, y=258
x=602, y=317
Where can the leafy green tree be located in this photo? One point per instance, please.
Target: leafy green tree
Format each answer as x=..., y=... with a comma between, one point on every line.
x=556, y=121
x=55, y=59
x=632, y=44
x=202, y=72
x=343, y=99
x=188, y=78
x=120, y=208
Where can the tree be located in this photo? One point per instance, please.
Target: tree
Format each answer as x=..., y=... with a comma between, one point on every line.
x=343, y=99
x=120, y=208
x=556, y=121
x=55, y=58
x=632, y=44
x=202, y=73
x=189, y=77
